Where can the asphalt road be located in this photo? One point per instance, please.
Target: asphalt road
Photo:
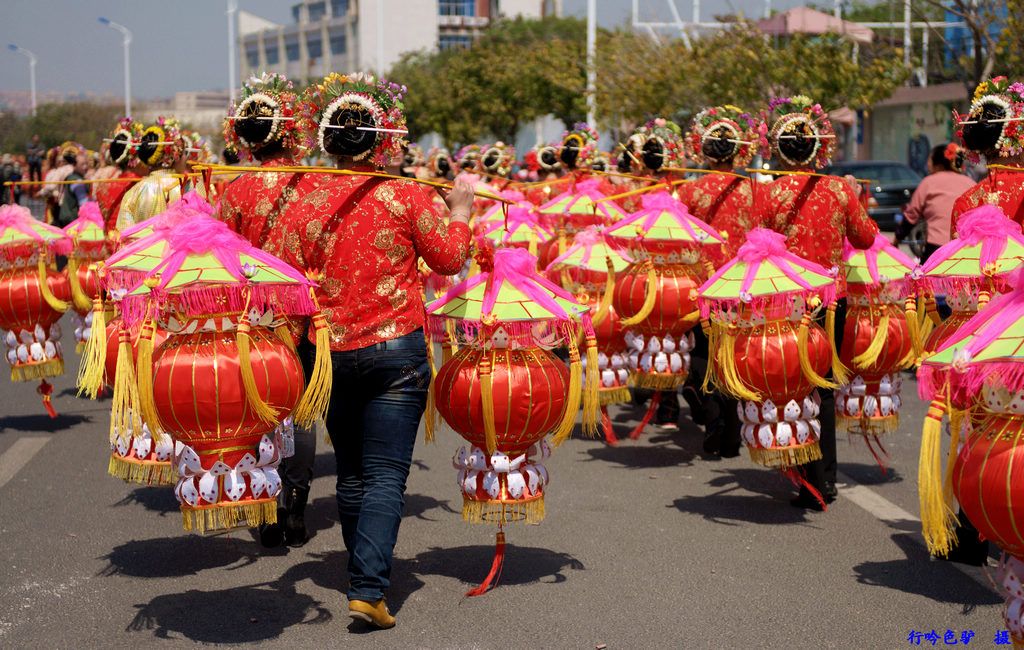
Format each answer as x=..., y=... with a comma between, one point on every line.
x=648, y=544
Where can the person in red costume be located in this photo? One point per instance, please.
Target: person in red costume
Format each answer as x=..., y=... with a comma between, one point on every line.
x=816, y=214
x=262, y=126
x=994, y=128
x=542, y=159
x=577, y=154
x=652, y=151
x=122, y=153
x=363, y=235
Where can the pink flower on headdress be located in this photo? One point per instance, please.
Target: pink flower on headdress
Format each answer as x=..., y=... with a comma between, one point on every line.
x=659, y=121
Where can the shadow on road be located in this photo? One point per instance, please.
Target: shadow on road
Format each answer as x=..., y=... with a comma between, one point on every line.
x=871, y=474
x=42, y=421
x=731, y=505
x=642, y=456
x=523, y=564
x=155, y=498
x=919, y=574
x=178, y=557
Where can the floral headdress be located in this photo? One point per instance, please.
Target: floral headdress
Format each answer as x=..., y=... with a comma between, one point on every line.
x=661, y=141
x=268, y=98
x=468, y=158
x=497, y=158
x=955, y=154
x=543, y=157
x=584, y=138
x=793, y=117
x=723, y=122
x=996, y=101
x=197, y=148
x=434, y=161
x=414, y=156
x=162, y=144
x=379, y=98
x=123, y=147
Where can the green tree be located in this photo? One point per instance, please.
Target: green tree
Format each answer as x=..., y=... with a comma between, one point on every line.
x=84, y=122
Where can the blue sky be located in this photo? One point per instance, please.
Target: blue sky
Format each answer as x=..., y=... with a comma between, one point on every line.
x=182, y=44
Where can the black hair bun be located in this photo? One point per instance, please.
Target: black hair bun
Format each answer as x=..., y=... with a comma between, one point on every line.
x=118, y=147
x=548, y=156
x=569, y=154
x=718, y=148
x=349, y=141
x=984, y=134
x=653, y=155
x=148, y=146
x=444, y=165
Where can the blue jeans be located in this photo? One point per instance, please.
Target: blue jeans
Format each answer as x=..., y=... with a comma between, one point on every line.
x=378, y=397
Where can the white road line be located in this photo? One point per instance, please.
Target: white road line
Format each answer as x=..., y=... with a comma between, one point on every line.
x=22, y=451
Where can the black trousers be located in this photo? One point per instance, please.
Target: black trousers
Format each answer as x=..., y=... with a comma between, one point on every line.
x=297, y=471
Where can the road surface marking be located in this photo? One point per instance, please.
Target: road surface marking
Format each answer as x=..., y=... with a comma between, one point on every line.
x=22, y=451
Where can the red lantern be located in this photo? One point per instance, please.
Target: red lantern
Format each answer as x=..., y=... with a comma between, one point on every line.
x=90, y=249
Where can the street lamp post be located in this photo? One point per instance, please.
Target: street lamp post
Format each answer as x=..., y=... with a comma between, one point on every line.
x=127, y=67
x=31, y=71
x=232, y=46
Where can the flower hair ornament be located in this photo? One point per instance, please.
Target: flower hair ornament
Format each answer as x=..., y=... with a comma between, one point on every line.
x=800, y=132
x=355, y=116
x=955, y=154
x=496, y=159
x=439, y=161
x=722, y=134
x=579, y=146
x=655, y=145
x=467, y=159
x=162, y=144
x=123, y=144
x=993, y=125
x=265, y=114
x=543, y=157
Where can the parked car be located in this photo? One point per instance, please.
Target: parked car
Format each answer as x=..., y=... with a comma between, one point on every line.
x=891, y=186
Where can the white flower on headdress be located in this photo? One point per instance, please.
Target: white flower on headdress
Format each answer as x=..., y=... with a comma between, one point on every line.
x=254, y=80
x=746, y=297
x=833, y=271
x=275, y=122
x=917, y=273
x=962, y=359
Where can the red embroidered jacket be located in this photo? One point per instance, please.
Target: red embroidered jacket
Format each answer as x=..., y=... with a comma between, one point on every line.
x=365, y=234
x=109, y=195
x=1003, y=188
x=253, y=203
x=727, y=204
x=815, y=213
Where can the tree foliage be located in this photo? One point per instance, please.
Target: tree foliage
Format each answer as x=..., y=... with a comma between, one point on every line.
x=84, y=122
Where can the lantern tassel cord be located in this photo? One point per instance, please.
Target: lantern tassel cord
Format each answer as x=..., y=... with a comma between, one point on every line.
x=805, y=362
x=606, y=424
x=794, y=474
x=45, y=389
x=604, y=307
x=124, y=416
x=956, y=426
x=711, y=331
x=868, y=357
x=81, y=301
x=497, y=565
x=144, y=374
x=430, y=414
x=313, y=404
x=937, y=518
x=655, y=400
x=650, y=297
x=871, y=448
x=484, y=371
x=591, y=388
x=572, y=399
x=913, y=327
x=729, y=380
x=53, y=301
x=262, y=410
x=839, y=371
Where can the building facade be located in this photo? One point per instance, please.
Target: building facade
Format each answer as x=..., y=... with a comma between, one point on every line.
x=348, y=35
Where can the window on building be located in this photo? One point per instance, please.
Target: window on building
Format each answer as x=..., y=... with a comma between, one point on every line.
x=291, y=48
x=338, y=43
x=272, y=53
x=317, y=10
x=314, y=45
x=296, y=12
x=456, y=8
x=339, y=8
x=252, y=55
x=454, y=41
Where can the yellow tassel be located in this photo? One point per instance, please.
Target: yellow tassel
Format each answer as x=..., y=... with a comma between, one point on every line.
x=711, y=331
x=93, y=366
x=262, y=410
x=562, y=244
x=839, y=371
x=914, y=328
x=956, y=423
x=144, y=373
x=605, y=305
x=983, y=297
x=430, y=414
x=53, y=301
x=572, y=398
x=868, y=357
x=532, y=247
x=805, y=362
x=591, y=403
x=650, y=296
x=284, y=334
x=727, y=364
x=317, y=397
x=484, y=368
x=937, y=519
x=449, y=346
x=124, y=414
x=932, y=310
x=82, y=302
x=783, y=457
x=503, y=512
x=619, y=395
x=229, y=516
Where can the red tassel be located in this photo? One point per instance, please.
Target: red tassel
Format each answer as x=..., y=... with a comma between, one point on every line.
x=606, y=423
x=45, y=389
x=492, y=578
x=794, y=475
x=655, y=399
x=207, y=178
x=867, y=440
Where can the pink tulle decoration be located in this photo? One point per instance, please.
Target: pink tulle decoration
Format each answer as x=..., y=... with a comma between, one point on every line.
x=765, y=256
x=988, y=226
x=879, y=246
x=190, y=205
x=19, y=218
x=519, y=217
x=88, y=212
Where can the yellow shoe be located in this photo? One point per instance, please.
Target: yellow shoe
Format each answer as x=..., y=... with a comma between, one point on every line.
x=374, y=613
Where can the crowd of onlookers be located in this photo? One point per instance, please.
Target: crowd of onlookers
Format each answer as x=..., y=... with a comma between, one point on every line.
x=35, y=164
